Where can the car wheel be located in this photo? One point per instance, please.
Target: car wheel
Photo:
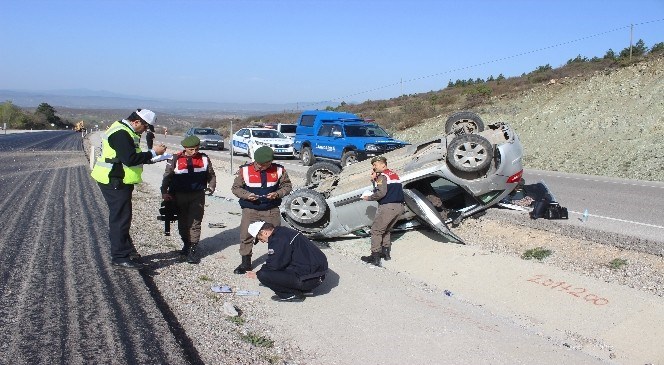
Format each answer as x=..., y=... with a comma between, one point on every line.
x=305, y=206
x=348, y=158
x=469, y=153
x=464, y=123
x=320, y=171
x=306, y=156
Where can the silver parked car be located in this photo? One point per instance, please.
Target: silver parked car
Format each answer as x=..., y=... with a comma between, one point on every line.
x=464, y=171
x=210, y=138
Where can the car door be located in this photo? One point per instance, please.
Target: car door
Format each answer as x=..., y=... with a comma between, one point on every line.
x=241, y=141
x=325, y=145
x=422, y=207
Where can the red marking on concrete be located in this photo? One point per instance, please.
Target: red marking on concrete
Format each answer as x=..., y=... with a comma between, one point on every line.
x=563, y=287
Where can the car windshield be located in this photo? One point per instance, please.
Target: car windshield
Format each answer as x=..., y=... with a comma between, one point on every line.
x=365, y=130
x=266, y=133
x=205, y=131
x=288, y=128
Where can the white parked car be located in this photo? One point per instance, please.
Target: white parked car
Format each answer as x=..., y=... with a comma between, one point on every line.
x=247, y=140
x=287, y=130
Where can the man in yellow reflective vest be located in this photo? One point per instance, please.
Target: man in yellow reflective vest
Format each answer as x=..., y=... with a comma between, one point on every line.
x=116, y=171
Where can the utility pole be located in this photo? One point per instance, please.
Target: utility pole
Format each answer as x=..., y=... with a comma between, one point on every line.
x=631, y=32
x=230, y=139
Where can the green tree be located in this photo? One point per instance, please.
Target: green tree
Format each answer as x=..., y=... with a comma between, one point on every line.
x=657, y=48
x=544, y=68
x=610, y=55
x=14, y=116
x=46, y=114
x=577, y=59
x=638, y=50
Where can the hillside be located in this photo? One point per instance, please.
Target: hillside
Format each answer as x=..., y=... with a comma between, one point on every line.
x=607, y=123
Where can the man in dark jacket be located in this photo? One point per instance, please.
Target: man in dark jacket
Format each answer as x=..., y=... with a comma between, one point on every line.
x=188, y=176
x=294, y=265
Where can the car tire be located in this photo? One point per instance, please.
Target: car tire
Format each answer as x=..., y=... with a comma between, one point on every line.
x=348, y=158
x=307, y=156
x=469, y=153
x=321, y=170
x=305, y=206
x=464, y=122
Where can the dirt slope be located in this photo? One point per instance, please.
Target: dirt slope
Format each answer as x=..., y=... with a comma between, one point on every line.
x=613, y=120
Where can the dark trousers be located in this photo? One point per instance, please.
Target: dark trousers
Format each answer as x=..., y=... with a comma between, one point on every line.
x=118, y=198
x=249, y=216
x=386, y=217
x=286, y=284
x=191, y=206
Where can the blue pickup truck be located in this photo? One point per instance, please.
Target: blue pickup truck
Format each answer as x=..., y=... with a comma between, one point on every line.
x=341, y=137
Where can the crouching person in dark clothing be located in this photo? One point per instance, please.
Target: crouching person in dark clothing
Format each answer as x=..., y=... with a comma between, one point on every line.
x=294, y=265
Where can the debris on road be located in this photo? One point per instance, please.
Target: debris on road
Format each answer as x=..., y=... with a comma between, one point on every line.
x=221, y=289
x=229, y=309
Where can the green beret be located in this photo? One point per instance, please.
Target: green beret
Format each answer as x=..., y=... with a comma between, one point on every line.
x=263, y=154
x=191, y=141
x=379, y=158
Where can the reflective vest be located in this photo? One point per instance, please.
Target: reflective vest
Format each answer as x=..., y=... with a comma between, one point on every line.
x=104, y=164
x=261, y=183
x=186, y=177
x=394, y=188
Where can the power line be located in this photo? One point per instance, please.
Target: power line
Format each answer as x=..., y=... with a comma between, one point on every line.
x=401, y=82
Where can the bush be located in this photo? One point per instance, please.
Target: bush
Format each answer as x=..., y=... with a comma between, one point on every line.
x=257, y=340
x=617, y=263
x=538, y=253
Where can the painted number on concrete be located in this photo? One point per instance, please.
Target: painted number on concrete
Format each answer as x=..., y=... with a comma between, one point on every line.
x=561, y=286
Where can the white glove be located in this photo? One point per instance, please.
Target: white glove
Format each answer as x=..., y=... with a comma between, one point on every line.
x=165, y=156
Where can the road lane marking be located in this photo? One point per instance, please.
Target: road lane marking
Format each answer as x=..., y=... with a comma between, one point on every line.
x=596, y=180
x=619, y=220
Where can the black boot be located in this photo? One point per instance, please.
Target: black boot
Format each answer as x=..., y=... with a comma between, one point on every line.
x=185, y=250
x=374, y=259
x=386, y=253
x=192, y=256
x=244, y=266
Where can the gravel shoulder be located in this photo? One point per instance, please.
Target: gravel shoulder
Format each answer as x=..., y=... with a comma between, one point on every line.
x=502, y=309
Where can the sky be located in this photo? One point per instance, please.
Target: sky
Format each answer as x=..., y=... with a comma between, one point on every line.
x=297, y=51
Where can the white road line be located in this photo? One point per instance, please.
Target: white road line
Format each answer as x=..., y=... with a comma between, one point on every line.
x=619, y=220
x=596, y=180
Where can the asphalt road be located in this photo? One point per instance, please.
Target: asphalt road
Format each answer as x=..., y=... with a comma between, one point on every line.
x=60, y=300
x=630, y=207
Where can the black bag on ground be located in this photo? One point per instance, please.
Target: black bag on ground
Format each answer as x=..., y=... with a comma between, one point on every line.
x=539, y=208
x=555, y=211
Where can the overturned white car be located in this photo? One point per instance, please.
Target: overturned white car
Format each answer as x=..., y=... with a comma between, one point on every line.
x=453, y=176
